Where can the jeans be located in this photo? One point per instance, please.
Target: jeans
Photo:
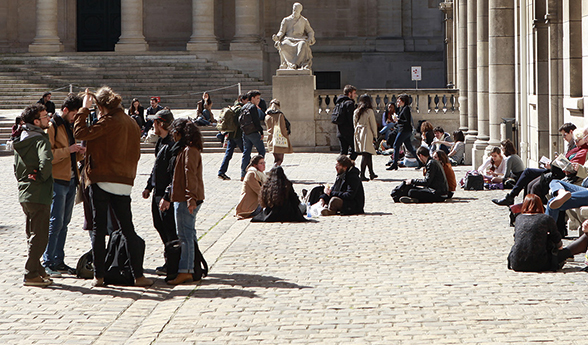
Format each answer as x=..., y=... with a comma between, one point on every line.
x=231, y=145
x=37, y=230
x=121, y=205
x=403, y=138
x=64, y=198
x=185, y=226
x=556, y=185
x=250, y=140
x=579, y=198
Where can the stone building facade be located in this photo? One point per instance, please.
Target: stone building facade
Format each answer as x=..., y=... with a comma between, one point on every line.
x=521, y=59
x=368, y=43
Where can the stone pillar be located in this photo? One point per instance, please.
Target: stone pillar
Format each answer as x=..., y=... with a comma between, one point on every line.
x=247, y=35
x=462, y=64
x=555, y=32
x=131, y=37
x=541, y=74
x=472, y=74
x=203, y=37
x=46, y=39
x=447, y=9
x=501, y=67
x=482, y=95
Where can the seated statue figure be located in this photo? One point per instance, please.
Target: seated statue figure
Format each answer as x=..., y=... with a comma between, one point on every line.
x=294, y=39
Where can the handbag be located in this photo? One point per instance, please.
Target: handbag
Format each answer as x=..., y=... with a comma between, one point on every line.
x=279, y=139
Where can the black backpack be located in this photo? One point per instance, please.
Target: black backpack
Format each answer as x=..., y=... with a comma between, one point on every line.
x=85, y=266
x=117, y=263
x=473, y=181
x=246, y=119
x=173, y=250
x=336, y=117
x=400, y=191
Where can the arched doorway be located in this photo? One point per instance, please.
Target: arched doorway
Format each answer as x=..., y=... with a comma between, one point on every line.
x=98, y=25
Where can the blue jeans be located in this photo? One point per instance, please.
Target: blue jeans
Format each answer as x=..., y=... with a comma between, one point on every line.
x=579, y=197
x=185, y=226
x=250, y=140
x=556, y=185
x=403, y=138
x=64, y=198
x=231, y=145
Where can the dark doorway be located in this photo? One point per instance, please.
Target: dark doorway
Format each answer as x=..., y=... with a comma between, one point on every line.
x=98, y=25
x=328, y=80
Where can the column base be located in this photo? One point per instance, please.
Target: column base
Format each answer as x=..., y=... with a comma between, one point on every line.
x=203, y=45
x=45, y=48
x=131, y=47
x=479, y=153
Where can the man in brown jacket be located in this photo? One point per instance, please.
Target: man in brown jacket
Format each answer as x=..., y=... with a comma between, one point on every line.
x=66, y=153
x=112, y=155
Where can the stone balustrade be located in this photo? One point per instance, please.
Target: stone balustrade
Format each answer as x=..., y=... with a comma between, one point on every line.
x=439, y=106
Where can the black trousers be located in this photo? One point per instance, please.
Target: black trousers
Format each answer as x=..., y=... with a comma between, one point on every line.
x=163, y=221
x=121, y=205
x=347, y=145
x=425, y=195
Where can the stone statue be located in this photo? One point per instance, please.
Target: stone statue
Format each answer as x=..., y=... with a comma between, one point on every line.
x=294, y=39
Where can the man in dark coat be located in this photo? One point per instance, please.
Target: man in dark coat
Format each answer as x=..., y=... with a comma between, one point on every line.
x=46, y=101
x=346, y=195
x=345, y=126
x=432, y=188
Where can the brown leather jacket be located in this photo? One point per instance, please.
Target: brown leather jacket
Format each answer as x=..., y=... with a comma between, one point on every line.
x=61, y=155
x=112, y=146
x=188, y=184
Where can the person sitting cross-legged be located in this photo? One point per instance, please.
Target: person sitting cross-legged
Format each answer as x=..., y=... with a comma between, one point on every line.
x=347, y=195
x=432, y=188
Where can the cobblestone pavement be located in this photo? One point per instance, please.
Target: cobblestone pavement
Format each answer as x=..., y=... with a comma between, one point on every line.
x=400, y=274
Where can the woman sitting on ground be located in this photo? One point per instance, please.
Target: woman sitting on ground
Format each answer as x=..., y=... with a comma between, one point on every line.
x=278, y=199
x=538, y=243
x=441, y=156
x=456, y=154
x=514, y=164
x=494, y=166
x=255, y=178
x=204, y=115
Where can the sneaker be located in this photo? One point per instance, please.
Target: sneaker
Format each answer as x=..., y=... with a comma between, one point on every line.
x=223, y=177
x=408, y=200
x=64, y=268
x=327, y=212
x=52, y=273
x=560, y=199
x=38, y=281
x=161, y=270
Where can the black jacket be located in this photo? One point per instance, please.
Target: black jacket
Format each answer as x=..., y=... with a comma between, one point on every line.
x=345, y=128
x=50, y=106
x=160, y=176
x=434, y=178
x=252, y=109
x=404, y=120
x=349, y=188
x=288, y=212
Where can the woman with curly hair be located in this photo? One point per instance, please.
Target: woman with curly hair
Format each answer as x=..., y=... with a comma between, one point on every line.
x=187, y=194
x=280, y=202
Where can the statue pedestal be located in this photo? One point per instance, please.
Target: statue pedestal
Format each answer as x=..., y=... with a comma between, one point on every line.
x=295, y=91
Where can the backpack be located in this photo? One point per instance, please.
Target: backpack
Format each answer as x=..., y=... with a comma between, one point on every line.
x=226, y=121
x=117, y=263
x=85, y=266
x=336, y=117
x=173, y=250
x=246, y=119
x=400, y=191
x=473, y=181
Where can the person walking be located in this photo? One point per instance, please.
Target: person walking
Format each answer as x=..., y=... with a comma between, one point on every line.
x=278, y=132
x=404, y=128
x=365, y=134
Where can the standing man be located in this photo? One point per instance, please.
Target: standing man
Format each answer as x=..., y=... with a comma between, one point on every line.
x=152, y=110
x=234, y=139
x=33, y=171
x=160, y=178
x=252, y=130
x=345, y=130
x=66, y=154
x=46, y=101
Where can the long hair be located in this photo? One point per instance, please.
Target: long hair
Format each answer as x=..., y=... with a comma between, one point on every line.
x=426, y=126
x=107, y=98
x=508, y=147
x=132, y=107
x=496, y=150
x=363, y=104
x=532, y=204
x=179, y=128
x=390, y=113
x=276, y=189
x=442, y=157
x=193, y=136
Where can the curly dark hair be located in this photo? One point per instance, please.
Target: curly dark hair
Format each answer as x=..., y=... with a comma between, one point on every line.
x=276, y=189
x=189, y=133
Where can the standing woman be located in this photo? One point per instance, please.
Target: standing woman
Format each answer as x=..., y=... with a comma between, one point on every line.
x=404, y=128
x=255, y=178
x=136, y=111
x=187, y=194
x=278, y=146
x=366, y=132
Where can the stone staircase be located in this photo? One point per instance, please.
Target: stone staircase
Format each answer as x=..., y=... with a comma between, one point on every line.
x=178, y=78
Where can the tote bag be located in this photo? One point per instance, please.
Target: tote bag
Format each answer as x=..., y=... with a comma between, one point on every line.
x=278, y=138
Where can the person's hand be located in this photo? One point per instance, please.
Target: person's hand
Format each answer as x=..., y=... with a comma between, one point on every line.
x=146, y=193
x=575, y=166
x=74, y=148
x=87, y=103
x=327, y=190
x=164, y=205
x=81, y=149
x=547, y=166
x=191, y=208
x=408, y=181
x=33, y=176
x=275, y=38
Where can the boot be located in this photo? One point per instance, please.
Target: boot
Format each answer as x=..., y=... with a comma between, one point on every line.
x=181, y=278
x=506, y=201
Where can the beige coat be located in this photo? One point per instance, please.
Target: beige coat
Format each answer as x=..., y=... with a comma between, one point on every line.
x=366, y=131
x=271, y=119
x=250, y=192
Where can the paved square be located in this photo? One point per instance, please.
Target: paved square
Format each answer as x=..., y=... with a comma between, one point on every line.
x=409, y=274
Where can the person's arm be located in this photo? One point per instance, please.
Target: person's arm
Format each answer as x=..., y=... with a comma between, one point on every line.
x=579, y=157
x=44, y=172
x=349, y=192
x=59, y=154
x=373, y=124
x=193, y=175
x=253, y=183
x=278, y=37
x=83, y=132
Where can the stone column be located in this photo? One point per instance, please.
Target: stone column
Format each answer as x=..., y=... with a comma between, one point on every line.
x=501, y=68
x=46, y=39
x=131, y=37
x=203, y=37
x=447, y=9
x=541, y=83
x=482, y=80
x=462, y=64
x=247, y=35
x=472, y=73
x=555, y=32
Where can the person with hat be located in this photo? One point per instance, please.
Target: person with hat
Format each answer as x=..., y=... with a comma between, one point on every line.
x=160, y=178
x=152, y=110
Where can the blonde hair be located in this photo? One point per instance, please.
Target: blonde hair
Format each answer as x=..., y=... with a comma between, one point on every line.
x=578, y=135
x=274, y=104
x=106, y=98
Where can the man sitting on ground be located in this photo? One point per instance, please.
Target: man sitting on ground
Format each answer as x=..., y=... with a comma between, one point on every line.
x=433, y=188
x=346, y=195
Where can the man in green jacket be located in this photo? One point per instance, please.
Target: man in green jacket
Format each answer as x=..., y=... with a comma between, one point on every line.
x=33, y=171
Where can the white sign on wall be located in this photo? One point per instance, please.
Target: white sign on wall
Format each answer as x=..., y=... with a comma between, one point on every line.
x=415, y=71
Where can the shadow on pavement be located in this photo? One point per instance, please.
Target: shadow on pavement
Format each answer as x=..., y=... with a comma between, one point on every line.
x=458, y=199
x=308, y=182
x=250, y=280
